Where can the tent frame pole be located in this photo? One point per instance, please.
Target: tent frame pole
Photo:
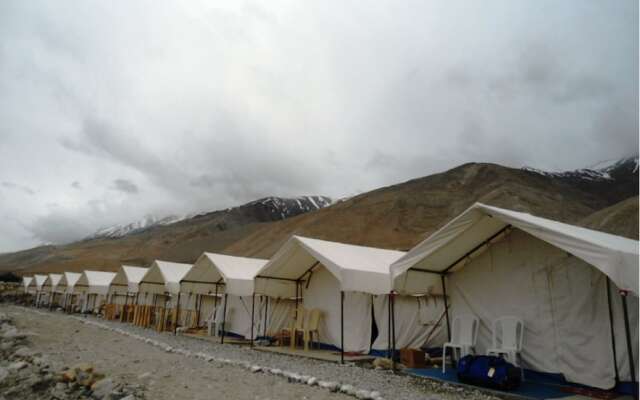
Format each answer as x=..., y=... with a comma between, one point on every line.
x=341, y=327
x=266, y=313
x=632, y=362
x=470, y=252
x=613, y=337
x=393, y=332
x=123, y=318
x=389, y=326
x=446, y=307
x=224, y=317
x=253, y=310
x=175, y=324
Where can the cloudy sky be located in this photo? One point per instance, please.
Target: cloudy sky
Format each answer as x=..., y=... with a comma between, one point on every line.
x=110, y=111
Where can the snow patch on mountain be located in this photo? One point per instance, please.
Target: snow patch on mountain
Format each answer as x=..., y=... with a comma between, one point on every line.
x=600, y=171
x=275, y=207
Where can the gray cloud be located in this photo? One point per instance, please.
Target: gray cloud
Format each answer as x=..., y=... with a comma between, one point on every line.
x=16, y=186
x=125, y=186
x=218, y=106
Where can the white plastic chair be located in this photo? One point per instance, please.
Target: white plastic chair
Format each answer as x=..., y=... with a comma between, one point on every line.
x=511, y=335
x=464, y=333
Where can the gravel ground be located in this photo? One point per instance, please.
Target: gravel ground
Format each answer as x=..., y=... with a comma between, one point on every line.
x=185, y=371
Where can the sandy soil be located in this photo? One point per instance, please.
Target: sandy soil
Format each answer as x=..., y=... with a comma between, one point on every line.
x=67, y=341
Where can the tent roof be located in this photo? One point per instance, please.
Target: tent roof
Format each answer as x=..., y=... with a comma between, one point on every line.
x=615, y=256
x=128, y=274
x=129, y=277
x=69, y=279
x=96, y=281
x=168, y=274
x=52, y=281
x=38, y=281
x=357, y=268
x=237, y=273
x=26, y=280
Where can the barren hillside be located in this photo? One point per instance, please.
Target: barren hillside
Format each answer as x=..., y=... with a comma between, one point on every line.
x=396, y=217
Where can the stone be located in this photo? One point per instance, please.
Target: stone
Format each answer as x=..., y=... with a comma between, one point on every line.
x=102, y=388
x=84, y=367
x=23, y=352
x=312, y=381
x=382, y=363
x=68, y=376
x=129, y=397
x=4, y=373
x=256, y=368
x=144, y=376
x=16, y=366
x=347, y=389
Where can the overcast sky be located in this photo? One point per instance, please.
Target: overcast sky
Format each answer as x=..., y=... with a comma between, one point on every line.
x=113, y=110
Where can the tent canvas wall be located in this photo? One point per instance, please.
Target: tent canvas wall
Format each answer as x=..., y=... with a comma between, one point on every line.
x=93, y=287
x=50, y=287
x=232, y=278
x=125, y=283
x=317, y=272
x=36, y=286
x=26, y=280
x=161, y=283
x=554, y=276
x=66, y=286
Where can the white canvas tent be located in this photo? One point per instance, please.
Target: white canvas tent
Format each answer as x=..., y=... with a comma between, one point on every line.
x=67, y=287
x=125, y=283
x=233, y=278
x=50, y=287
x=26, y=280
x=339, y=279
x=163, y=279
x=93, y=286
x=560, y=279
x=36, y=285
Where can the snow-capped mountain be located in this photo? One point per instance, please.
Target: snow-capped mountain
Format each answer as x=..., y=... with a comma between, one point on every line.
x=266, y=209
x=120, y=230
x=605, y=170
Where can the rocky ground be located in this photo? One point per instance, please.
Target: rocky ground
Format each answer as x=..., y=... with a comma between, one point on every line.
x=142, y=363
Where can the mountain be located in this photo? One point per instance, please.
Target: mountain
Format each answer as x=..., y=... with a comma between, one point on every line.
x=267, y=209
x=141, y=242
x=395, y=217
x=618, y=219
x=400, y=216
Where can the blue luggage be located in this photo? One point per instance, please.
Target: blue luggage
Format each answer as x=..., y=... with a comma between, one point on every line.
x=488, y=371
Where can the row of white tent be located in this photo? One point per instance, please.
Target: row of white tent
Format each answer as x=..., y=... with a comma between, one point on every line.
x=576, y=290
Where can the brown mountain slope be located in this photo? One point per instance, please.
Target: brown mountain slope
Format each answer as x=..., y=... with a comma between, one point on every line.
x=397, y=217
x=182, y=241
x=619, y=219
x=400, y=216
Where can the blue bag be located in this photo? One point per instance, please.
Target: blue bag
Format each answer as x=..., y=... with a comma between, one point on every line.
x=488, y=371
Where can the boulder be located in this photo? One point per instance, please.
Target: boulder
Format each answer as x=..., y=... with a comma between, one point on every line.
x=102, y=388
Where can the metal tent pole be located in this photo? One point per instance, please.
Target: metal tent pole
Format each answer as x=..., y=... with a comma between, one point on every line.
x=446, y=307
x=393, y=332
x=341, y=327
x=613, y=337
x=224, y=318
x=389, y=326
x=266, y=313
x=632, y=363
x=175, y=324
x=253, y=310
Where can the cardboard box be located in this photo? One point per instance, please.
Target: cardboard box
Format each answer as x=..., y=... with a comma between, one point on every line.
x=412, y=358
